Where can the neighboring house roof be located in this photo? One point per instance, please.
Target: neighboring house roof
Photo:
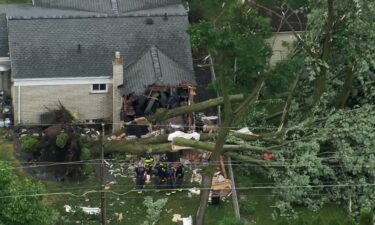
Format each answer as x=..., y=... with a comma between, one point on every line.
x=132, y=5
x=28, y=11
x=105, y=6
x=154, y=67
x=3, y=36
x=43, y=45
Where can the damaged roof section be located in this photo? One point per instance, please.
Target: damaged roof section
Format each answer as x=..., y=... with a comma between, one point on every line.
x=154, y=67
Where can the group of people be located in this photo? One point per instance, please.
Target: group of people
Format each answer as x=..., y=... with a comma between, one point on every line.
x=164, y=174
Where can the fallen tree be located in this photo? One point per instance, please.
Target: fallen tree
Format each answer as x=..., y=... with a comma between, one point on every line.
x=142, y=147
x=165, y=114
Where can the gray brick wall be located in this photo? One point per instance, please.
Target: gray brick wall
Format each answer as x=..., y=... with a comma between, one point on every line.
x=76, y=98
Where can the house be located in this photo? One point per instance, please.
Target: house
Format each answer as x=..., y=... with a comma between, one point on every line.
x=283, y=37
x=88, y=54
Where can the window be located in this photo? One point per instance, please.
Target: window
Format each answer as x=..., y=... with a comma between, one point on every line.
x=99, y=88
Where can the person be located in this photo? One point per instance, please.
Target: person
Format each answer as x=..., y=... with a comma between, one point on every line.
x=140, y=177
x=179, y=176
x=158, y=174
x=170, y=173
x=149, y=162
x=163, y=165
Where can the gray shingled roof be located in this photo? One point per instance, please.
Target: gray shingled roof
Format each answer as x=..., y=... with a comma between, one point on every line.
x=154, y=67
x=29, y=11
x=132, y=5
x=105, y=6
x=84, y=47
x=3, y=36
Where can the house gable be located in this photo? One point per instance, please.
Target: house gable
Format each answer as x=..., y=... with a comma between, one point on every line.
x=154, y=67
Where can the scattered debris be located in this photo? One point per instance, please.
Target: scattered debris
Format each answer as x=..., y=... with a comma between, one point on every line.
x=245, y=130
x=221, y=185
x=195, y=191
x=120, y=216
x=187, y=221
x=68, y=209
x=196, y=176
x=194, y=135
x=176, y=218
x=87, y=210
x=91, y=211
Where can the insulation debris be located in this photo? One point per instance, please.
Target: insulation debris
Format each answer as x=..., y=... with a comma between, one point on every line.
x=176, y=218
x=245, y=130
x=196, y=176
x=194, y=135
x=195, y=191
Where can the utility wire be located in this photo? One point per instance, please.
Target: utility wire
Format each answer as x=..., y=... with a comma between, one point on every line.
x=187, y=189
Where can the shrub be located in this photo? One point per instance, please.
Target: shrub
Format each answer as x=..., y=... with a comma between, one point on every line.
x=85, y=154
x=366, y=217
x=29, y=144
x=231, y=221
x=87, y=169
x=61, y=140
x=246, y=207
x=154, y=209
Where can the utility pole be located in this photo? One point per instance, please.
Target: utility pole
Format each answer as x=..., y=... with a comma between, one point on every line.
x=102, y=183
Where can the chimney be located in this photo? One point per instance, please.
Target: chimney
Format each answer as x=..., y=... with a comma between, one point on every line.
x=117, y=80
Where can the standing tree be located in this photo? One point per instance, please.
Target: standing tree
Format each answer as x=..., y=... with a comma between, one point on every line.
x=235, y=40
x=20, y=202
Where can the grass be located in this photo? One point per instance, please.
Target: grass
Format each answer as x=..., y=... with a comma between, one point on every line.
x=264, y=203
x=129, y=204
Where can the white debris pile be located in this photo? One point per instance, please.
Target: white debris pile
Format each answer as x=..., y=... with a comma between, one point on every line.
x=87, y=210
x=196, y=176
x=194, y=135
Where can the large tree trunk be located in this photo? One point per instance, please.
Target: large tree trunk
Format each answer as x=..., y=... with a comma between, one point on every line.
x=347, y=87
x=320, y=82
x=230, y=114
x=209, y=171
x=198, y=107
x=128, y=147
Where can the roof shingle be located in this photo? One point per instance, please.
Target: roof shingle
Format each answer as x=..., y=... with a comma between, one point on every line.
x=154, y=67
x=45, y=48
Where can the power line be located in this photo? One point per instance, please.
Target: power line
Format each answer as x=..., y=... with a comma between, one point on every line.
x=187, y=189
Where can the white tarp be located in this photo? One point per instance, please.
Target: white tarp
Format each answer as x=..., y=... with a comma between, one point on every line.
x=187, y=220
x=91, y=211
x=87, y=210
x=195, y=136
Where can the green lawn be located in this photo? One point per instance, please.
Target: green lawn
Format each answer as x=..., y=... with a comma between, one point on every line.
x=130, y=204
x=264, y=203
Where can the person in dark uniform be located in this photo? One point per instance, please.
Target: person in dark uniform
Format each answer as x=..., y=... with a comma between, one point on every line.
x=163, y=166
x=149, y=162
x=140, y=177
x=179, y=176
x=158, y=174
x=170, y=173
